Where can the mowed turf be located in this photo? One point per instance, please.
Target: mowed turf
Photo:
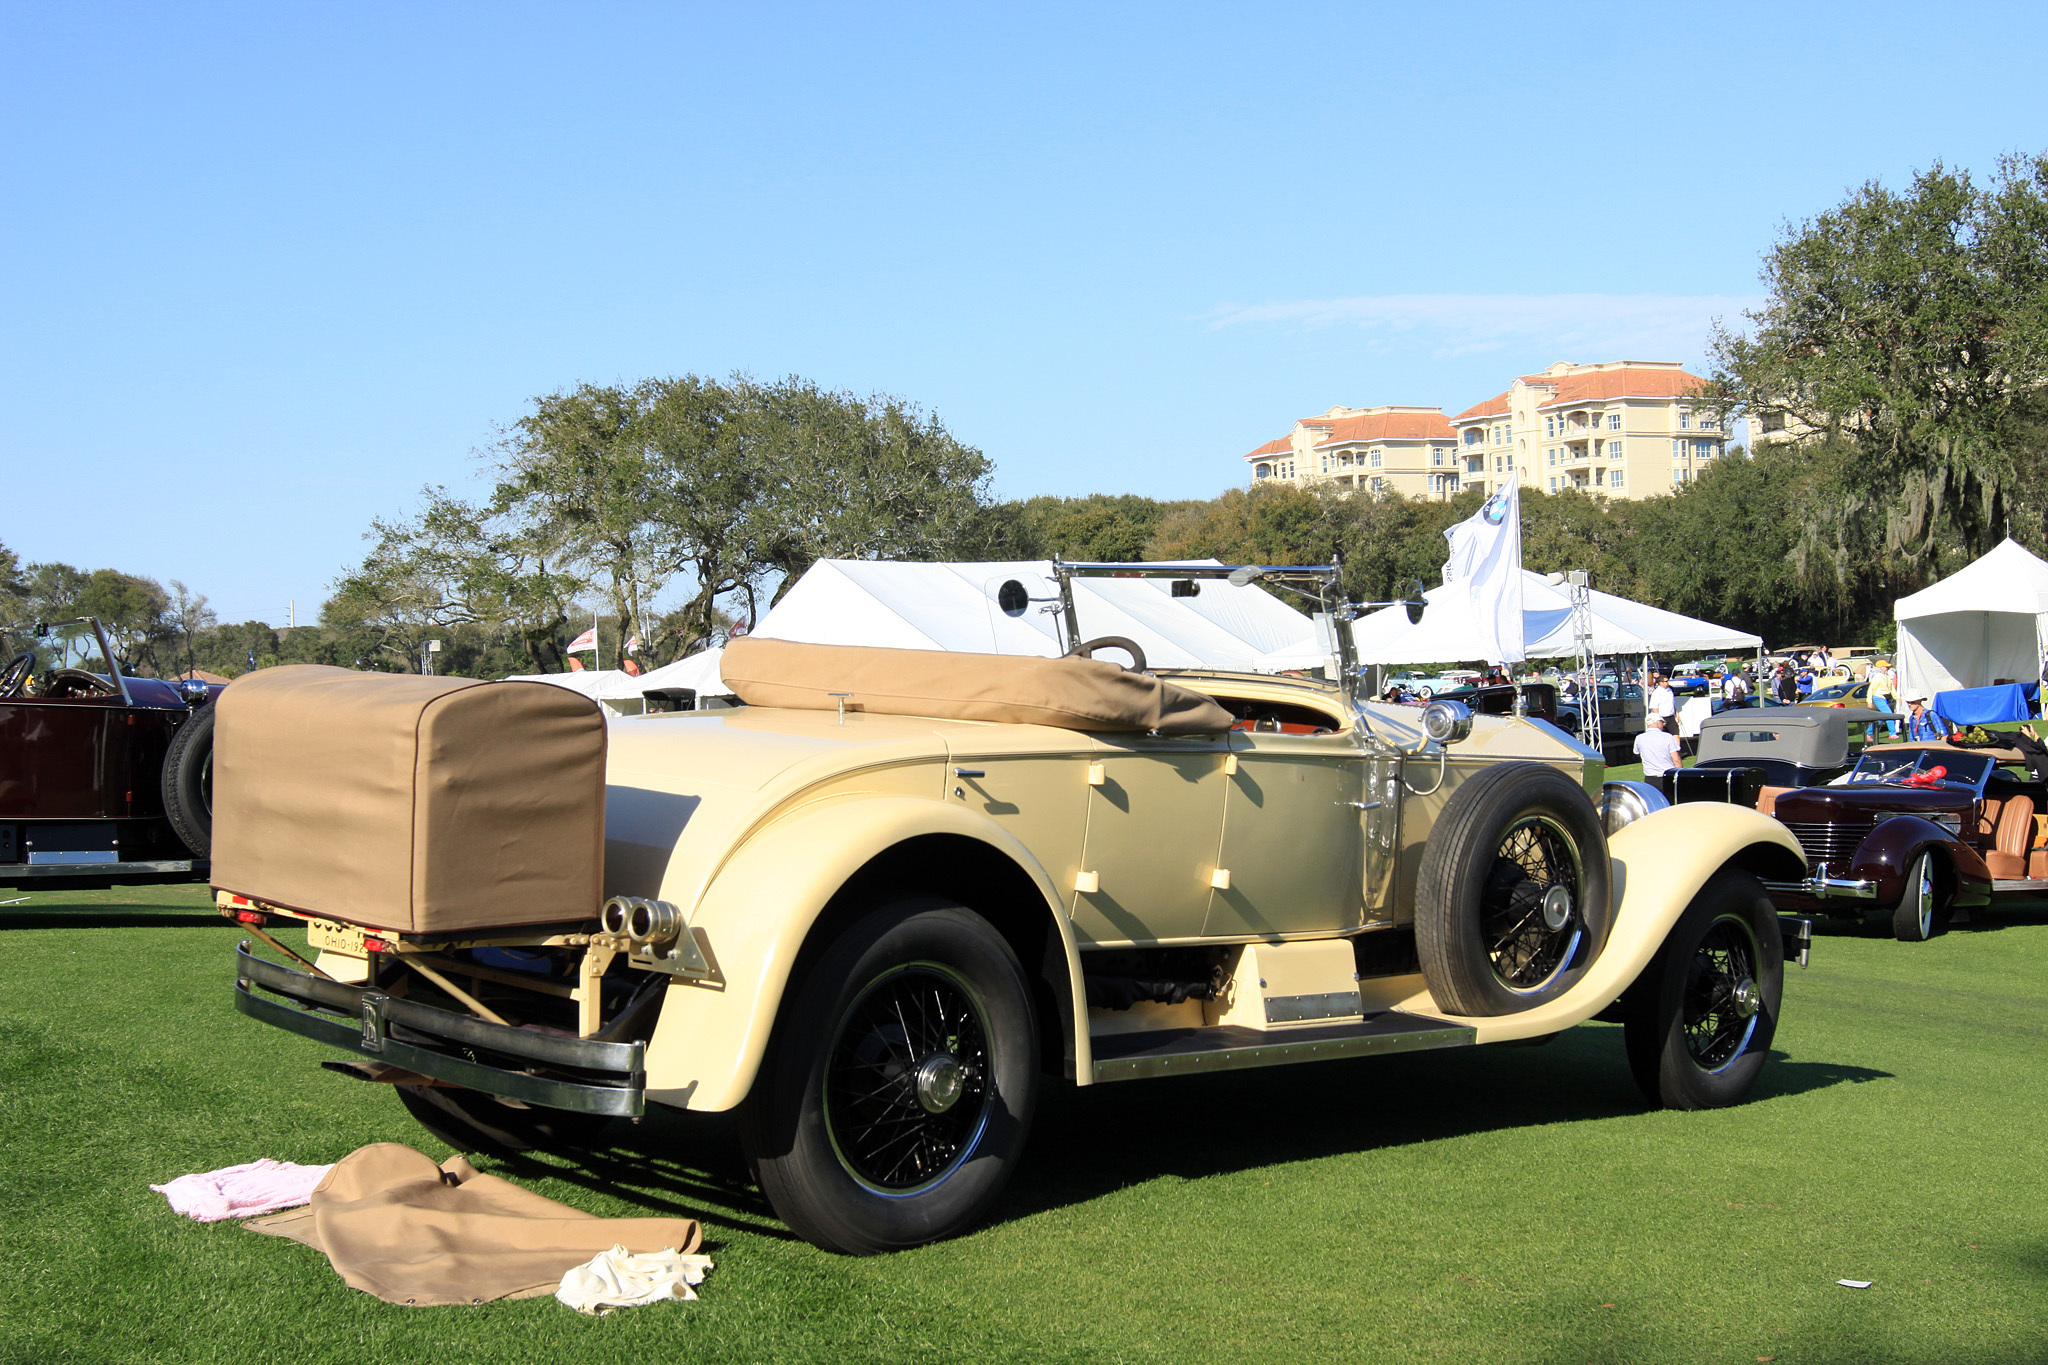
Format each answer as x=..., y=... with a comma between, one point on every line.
x=1494, y=1204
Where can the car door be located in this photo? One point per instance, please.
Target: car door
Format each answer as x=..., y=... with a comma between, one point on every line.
x=1293, y=838
x=1155, y=824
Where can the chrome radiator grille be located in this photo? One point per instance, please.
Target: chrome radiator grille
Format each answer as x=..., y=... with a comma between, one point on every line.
x=1833, y=844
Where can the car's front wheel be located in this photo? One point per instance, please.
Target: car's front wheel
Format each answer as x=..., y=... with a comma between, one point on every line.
x=188, y=781
x=896, y=1095
x=1698, y=1022
x=1920, y=913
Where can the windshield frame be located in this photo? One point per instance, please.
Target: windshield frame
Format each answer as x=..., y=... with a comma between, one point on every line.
x=39, y=632
x=1887, y=768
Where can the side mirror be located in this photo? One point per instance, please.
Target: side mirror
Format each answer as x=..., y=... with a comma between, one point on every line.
x=1186, y=587
x=1012, y=598
x=1412, y=600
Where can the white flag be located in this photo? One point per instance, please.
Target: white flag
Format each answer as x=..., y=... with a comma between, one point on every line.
x=1486, y=568
x=587, y=640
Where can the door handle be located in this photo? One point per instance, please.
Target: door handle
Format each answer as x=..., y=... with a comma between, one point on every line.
x=1361, y=805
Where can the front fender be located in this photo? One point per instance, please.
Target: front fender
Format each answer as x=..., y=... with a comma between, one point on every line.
x=1887, y=851
x=1659, y=863
x=760, y=907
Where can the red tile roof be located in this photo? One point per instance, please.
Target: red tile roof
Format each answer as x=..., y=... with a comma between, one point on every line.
x=1279, y=447
x=1622, y=382
x=1388, y=426
x=1496, y=406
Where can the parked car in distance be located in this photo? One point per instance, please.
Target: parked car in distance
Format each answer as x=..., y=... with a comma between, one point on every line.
x=1855, y=695
x=879, y=909
x=104, y=778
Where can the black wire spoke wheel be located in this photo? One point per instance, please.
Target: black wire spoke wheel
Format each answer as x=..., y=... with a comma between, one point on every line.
x=1528, y=912
x=1513, y=894
x=908, y=1089
x=1698, y=1022
x=894, y=1099
x=1719, y=1015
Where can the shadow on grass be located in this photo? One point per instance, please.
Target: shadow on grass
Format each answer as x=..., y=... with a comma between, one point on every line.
x=670, y=1162
x=1087, y=1143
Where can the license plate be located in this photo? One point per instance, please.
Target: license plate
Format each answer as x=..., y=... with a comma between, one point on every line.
x=330, y=937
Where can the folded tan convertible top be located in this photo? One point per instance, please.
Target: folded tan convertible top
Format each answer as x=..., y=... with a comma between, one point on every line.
x=1072, y=693
x=420, y=804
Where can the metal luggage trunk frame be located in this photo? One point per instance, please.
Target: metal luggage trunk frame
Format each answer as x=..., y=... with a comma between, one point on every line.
x=367, y=1022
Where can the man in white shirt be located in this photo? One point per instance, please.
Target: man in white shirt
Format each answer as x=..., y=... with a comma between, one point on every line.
x=1735, y=688
x=1658, y=749
x=1660, y=702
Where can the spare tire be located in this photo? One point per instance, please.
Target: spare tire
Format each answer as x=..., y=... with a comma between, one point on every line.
x=188, y=782
x=1512, y=901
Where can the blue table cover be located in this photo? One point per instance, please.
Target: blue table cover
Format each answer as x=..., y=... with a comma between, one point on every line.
x=1982, y=705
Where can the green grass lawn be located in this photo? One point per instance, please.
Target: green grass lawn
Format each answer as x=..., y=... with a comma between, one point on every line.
x=1496, y=1204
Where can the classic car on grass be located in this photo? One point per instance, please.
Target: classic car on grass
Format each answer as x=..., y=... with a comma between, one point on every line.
x=104, y=778
x=1909, y=833
x=883, y=905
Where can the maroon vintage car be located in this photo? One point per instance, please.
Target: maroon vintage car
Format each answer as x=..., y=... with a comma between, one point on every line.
x=104, y=778
x=1916, y=832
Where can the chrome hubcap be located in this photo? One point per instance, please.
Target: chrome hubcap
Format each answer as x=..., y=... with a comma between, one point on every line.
x=940, y=1081
x=1557, y=908
x=1746, y=998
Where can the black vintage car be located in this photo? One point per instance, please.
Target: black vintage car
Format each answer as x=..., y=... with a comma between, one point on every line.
x=104, y=778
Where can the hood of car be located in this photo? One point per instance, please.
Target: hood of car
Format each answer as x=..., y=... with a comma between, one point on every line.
x=1841, y=804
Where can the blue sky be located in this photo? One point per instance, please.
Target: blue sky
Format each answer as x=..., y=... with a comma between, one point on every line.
x=269, y=269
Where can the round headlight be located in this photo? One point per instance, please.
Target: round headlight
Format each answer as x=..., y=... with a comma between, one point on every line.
x=1447, y=722
x=1624, y=803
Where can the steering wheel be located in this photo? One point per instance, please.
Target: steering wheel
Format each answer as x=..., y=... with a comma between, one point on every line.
x=1086, y=650
x=76, y=682
x=15, y=676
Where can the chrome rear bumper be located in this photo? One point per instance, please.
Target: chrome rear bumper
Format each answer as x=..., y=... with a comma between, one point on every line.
x=1823, y=887
x=578, y=1074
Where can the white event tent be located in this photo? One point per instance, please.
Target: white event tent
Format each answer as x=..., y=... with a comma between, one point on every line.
x=605, y=686
x=1986, y=621
x=1447, y=632
x=953, y=607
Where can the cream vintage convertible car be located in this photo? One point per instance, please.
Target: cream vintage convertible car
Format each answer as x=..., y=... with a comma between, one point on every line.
x=883, y=904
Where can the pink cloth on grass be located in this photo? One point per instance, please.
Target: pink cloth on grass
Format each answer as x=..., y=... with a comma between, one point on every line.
x=242, y=1191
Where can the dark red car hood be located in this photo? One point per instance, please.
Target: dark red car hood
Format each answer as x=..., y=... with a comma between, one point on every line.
x=1837, y=805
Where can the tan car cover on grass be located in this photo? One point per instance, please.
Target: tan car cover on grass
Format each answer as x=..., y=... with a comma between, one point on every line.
x=419, y=804
x=1071, y=693
x=396, y=1225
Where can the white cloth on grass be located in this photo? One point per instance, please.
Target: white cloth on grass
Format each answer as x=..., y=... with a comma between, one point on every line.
x=620, y=1279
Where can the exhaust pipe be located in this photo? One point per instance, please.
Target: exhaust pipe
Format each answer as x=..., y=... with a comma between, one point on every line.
x=644, y=923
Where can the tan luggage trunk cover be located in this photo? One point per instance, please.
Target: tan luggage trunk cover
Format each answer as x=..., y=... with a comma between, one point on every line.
x=1074, y=694
x=396, y=1225
x=418, y=804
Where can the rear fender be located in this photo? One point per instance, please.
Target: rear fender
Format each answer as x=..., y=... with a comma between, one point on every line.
x=1659, y=863
x=758, y=911
x=1887, y=851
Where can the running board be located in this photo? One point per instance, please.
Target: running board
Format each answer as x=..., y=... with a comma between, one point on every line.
x=1174, y=1052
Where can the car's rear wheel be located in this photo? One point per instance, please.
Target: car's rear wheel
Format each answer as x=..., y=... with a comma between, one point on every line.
x=471, y=1121
x=1922, y=912
x=1698, y=1022
x=1511, y=901
x=188, y=782
x=896, y=1095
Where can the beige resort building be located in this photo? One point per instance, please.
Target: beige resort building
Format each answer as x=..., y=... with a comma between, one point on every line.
x=1623, y=429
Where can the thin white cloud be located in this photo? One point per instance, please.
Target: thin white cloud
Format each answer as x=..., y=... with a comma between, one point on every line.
x=1560, y=326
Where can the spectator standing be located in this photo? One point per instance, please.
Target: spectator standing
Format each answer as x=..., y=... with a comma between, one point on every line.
x=1735, y=688
x=1659, y=701
x=1922, y=725
x=1658, y=749
x=1884, y=693
x=1787, y=685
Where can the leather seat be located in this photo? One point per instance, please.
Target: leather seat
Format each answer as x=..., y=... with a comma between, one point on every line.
x=2014, y=839
x=1767, y=799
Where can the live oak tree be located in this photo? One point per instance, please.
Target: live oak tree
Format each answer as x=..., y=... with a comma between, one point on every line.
x=1907, y=333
